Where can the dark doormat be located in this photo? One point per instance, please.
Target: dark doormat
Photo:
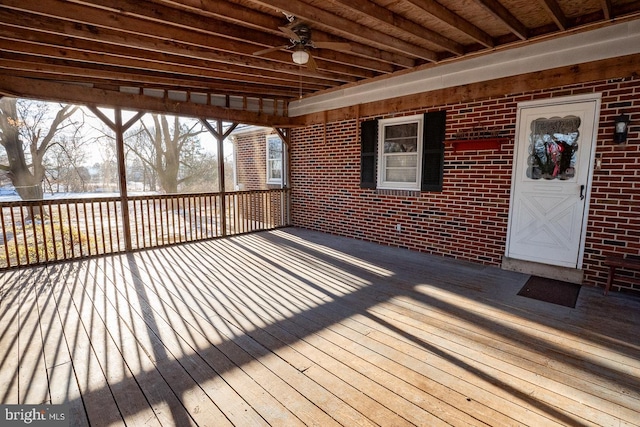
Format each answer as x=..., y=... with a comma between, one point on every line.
x=551, y=290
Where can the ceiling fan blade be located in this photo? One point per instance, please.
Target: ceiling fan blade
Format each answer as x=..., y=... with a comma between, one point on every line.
x=290, y=33
x=311, y=64
x=269, y=50
x=332, y=45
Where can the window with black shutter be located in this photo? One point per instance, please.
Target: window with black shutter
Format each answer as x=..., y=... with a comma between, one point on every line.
x=433, y=151
x=368, y=153
x=405, y=153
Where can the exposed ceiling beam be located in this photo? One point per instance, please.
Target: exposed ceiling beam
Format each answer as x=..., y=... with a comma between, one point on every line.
x=399, y=23
x=239, y=14
x=440, y=12
x=87, y=54
x=502, y=13
x=118, y=76
x=606, y=9
x=191, y=21
x=226, y=61
x=136, y=32
x=552, y=7
x=320, y=18
x=230, y=11
x=77, y=94
x=205, y=47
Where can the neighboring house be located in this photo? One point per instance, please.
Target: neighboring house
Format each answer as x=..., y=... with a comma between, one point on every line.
x=258, y=159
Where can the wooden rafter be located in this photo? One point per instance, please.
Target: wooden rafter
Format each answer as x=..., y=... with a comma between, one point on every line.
x=554, y=10
x=502, y=13
x=62, y=47
x=135, y=32
x=215, y=26
x=606, y=9
x=445, y=15
x=195, y=49
x=53, y=70
x=42, y=89
x=392, y=20
x=319, y=18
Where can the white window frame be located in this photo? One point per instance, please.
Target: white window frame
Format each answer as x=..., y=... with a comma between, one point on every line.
x=270, y=179
x=396, y=185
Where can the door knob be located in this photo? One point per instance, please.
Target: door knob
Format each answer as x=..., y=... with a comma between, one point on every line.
x=582, y=192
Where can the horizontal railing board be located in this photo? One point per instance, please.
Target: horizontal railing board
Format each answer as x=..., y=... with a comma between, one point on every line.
x=38, y=232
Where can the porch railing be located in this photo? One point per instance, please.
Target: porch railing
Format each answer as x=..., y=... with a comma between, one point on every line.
x=43, y=231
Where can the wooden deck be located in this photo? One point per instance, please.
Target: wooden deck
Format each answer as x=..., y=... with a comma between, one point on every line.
x=292, y=327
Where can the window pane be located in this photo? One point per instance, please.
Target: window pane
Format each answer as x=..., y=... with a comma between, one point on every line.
x=402, y=160
x=401, y=138
x=274, y=159
x=401, y=174
x=401, y=131
x=275, y=149
x=552, y=152
x=275, y=169
x=400, y=145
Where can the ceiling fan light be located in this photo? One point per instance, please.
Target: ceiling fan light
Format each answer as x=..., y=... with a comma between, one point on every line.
x=300, y=56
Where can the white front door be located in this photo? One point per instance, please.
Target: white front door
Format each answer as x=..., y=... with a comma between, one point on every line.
x=554, y=148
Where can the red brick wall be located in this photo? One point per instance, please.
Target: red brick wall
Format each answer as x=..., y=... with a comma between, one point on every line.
x=251, y=160
x=468, y=219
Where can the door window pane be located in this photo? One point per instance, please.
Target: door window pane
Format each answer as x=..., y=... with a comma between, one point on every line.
x=553, y=148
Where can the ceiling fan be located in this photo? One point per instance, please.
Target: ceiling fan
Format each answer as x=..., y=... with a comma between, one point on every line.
x=301, y=44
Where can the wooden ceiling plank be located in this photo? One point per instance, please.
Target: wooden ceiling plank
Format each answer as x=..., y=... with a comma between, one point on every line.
x=239, y=14
x=50, y=45
x=390, y=19
x=503, y=15
x=213, y=89
x=52, y=69
x=53, y=91
x=319, y=18
x=131, y=31
x=174, y=66
x=181, y=44
x=440, y=12
x=229, y=12
x=553, y=9
x=109, y=38
x=191, y=21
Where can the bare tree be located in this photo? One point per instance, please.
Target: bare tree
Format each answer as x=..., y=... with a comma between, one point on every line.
x=64, y=165
x=173, y=151
x=26, y=132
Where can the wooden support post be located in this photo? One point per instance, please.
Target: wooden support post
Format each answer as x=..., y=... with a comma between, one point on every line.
x=221, y=180
x=220, y=136
x=285, y=135
x=122, y=173
x=119, y=129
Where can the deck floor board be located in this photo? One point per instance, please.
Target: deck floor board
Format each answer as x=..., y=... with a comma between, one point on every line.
x=294, y=327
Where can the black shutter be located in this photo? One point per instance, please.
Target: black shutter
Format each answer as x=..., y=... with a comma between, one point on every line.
x=433, y=151
x=368, y=153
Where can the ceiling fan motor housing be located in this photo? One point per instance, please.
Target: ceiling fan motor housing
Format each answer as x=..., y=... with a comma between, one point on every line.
x=304, y=34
